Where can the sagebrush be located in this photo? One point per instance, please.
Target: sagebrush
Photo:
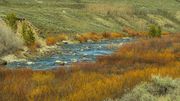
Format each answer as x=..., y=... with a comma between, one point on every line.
x=9, y=42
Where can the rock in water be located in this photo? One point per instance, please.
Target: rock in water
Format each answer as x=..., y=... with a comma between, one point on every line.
x=30, y=63
x=2, y=62
x=60, y=62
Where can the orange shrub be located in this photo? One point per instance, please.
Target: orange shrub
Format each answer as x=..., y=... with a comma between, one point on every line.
x=115, y=85
x=81, y=38
x=107, y=35
x=92, y=36
x=89, y=36
x=165, y=33
x=117, y=35
x=98, y=36
x=25, y=84
x=51, y=41
x=133, y=33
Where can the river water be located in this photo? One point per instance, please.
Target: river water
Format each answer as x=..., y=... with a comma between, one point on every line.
x=71, y=53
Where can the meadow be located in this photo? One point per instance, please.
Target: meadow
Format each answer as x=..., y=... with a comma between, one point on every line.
x=110, y=77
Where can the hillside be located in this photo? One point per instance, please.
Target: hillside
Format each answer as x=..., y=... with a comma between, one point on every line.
x=78, y=16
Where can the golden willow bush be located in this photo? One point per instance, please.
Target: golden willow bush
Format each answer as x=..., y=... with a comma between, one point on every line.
x=52, y=40
x=98, y=36
x=79, y=86
x=116, y=85
x=85, y=37
x=110, y=77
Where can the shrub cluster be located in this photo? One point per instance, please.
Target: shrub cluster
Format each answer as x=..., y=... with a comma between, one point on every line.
x=28, y=85
x=155, y=31
x=159, y=89
x=27, y=35
x=97, y=36
x=11, y=20
x=52, y=40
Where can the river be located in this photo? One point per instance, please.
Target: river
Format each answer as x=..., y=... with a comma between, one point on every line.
x=71, y=53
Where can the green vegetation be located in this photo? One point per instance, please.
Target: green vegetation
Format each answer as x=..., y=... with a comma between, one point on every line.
x=11, y=20
x=155, y=31
x=159, y=89
x=82, y=16
x=28, y=35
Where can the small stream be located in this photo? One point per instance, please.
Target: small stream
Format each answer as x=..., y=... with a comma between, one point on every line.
x=71, y=53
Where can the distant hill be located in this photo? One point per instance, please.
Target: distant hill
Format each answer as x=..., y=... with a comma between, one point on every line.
x=78, y=16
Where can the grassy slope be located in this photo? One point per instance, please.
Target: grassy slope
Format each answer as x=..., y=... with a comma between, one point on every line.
x=72, y=16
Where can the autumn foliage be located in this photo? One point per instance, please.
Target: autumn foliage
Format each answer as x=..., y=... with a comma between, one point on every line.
x=52, y=40
x=153, y=32
x=98, y=36
x=110, y=77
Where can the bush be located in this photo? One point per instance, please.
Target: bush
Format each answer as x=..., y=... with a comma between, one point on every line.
x=11, y=20
x=98, y=36
x=89, y=36
x=159, y=89
x=28, y=35
x=51, y=41
x=155, y=31
x=9, y=42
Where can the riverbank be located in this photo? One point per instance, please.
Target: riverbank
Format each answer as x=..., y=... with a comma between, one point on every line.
x=67, y=54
